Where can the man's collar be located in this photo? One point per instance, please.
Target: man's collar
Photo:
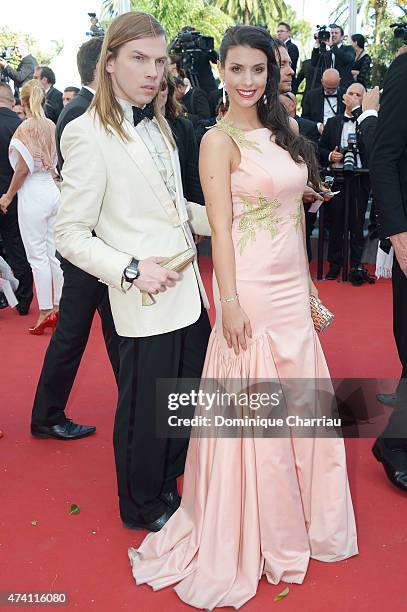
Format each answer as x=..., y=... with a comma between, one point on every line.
x=92, y=91
x=352, y=111
x=127, y=109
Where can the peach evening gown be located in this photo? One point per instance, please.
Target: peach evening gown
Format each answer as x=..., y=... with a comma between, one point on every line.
x=253, y=506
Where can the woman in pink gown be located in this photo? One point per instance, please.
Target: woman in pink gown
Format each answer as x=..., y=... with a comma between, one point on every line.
x=254, y=505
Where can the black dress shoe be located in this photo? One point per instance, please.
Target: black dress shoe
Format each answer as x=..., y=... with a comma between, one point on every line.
x=394, y=462
x=153, y=525
x=23, y=307
x=64, y=431
x=390, y=399
x=333, y=272
x=3, y=301
x=172, y=499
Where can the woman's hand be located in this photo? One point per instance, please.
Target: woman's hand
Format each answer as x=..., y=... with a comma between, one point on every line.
x=312, y=289
x=5, y=202
x=310, y=195
x=236, y=326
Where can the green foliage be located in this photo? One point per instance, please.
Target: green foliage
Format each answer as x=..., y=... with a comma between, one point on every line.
x=175, y=14
x=383, y=49
x=253, y=11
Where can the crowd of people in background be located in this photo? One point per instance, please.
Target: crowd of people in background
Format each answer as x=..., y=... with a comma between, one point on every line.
x=141, y=127
x=321, y=93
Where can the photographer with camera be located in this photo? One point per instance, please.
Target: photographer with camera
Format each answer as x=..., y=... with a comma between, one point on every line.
x=25, y=69
x=339, y=147
x=330, y=52
x=196, y=52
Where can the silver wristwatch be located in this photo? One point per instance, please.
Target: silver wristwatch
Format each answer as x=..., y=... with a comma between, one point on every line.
x=131, y=272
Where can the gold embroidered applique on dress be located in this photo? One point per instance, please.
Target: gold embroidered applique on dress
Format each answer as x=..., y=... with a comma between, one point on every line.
x=237, y=135
x=260, y=215
x=297, y=215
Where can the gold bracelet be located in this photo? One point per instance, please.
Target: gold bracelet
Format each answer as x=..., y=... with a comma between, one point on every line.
x=225, y=300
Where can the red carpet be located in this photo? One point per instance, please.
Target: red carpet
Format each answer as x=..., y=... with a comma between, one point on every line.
x=85, y=555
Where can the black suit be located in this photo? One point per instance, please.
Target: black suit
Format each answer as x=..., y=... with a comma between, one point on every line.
x=294, y=56
x=196, y=103
x=306, y=73
x=9, y=229
x=24, y=72
x=308, y=129
x=75, y=108
x=313, y=104
x=53, y=103
x=388, y=162
x=188, y=153
x=82, y=295
x=366, y=131
x=359, y=195
x=343, y=62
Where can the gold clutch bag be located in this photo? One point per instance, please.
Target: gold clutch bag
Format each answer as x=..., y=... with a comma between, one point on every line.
x=176, y=263
x=321, y=316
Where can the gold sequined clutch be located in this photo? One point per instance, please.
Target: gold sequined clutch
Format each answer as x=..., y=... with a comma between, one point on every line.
x=321, y=316
x=176, y=263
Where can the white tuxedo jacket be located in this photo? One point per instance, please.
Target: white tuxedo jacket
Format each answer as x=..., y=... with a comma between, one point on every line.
x=115, y=189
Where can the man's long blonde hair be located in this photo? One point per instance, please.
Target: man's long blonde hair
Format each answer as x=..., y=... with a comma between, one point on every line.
x=126, y=27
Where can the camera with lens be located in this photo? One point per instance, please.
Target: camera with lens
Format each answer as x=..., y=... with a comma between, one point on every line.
x=400, y=31
x=350, y=155
x=323, y=34
x=188, y=41
x=189, y=44
x=6, y=53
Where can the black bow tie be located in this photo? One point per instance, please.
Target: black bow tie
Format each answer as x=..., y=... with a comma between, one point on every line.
x=331, y=95
x=142, y=113
x=346, y=119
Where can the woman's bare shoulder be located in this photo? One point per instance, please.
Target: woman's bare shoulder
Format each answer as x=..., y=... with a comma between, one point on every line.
x=217, y=138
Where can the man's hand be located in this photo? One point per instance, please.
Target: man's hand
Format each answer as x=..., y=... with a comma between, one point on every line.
x=336, y=156
x=402, y=50
x=399, y=242
x=153, y=277
x=350, y=101
x=355, y=73
x=3, y=63
x=371, y=99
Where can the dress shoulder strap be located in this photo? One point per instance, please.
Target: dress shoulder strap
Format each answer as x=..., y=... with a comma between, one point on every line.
x=237, y=135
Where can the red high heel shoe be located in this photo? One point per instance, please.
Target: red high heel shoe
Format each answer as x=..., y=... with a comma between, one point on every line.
x=49, y=321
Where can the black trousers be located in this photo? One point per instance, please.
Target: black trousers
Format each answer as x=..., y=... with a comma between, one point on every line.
x=16, y=257
x=310, y=219
x=359, y=195
x=147, y=464
x=397, y=425
x=82, y=295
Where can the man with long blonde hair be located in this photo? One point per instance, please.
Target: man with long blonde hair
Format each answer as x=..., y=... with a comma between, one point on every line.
x=121, y=179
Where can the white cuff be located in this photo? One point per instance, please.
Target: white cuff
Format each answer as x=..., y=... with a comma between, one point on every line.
x=368, y=113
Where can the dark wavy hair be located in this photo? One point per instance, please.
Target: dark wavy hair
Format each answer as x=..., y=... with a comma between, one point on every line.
x=272, y=115
x=359, y=39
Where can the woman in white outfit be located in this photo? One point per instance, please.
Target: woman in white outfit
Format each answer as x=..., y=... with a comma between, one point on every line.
x=33, y=157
